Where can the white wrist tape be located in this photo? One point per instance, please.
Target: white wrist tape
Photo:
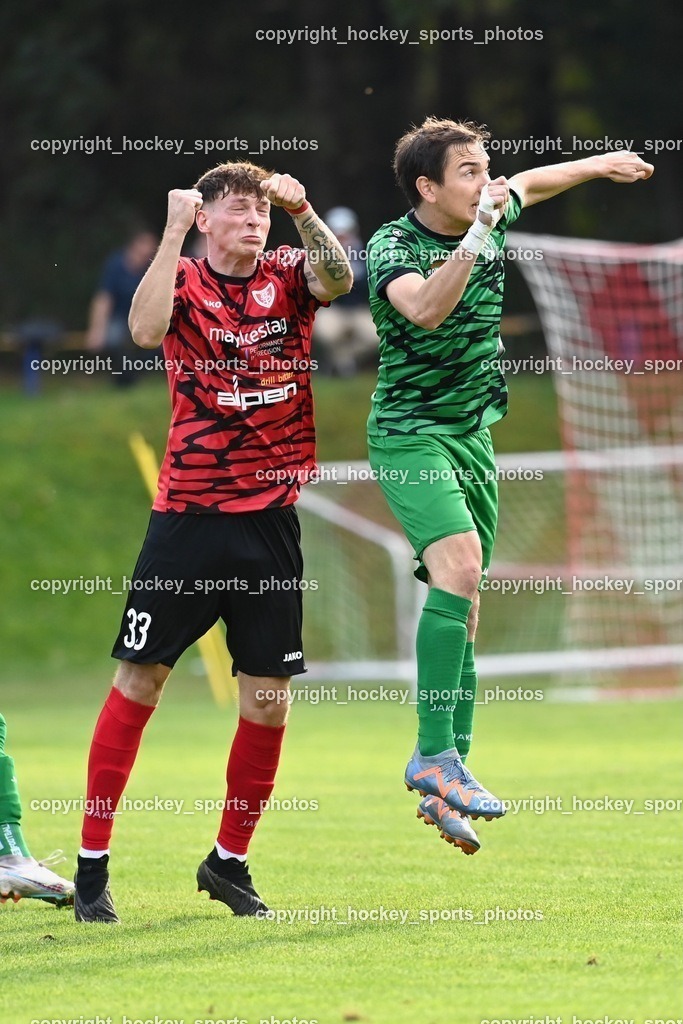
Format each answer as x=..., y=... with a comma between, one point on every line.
x=478, y=233
x=476, y=236
x=486, y=205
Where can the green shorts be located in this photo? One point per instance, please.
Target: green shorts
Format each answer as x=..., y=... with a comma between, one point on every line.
x=438, y=485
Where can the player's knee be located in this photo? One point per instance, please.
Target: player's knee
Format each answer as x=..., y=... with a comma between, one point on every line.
x=273, y=714
x=454, y=563
x=460, y=579
x=471, y=581
x=266, y=702
x=141, y=683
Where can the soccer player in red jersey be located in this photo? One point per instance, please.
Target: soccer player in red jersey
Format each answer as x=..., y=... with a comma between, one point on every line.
x=223, y=538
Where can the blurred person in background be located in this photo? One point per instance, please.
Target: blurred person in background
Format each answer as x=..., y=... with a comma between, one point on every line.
x=21, y=875
x=344, y=332
x=108, y=320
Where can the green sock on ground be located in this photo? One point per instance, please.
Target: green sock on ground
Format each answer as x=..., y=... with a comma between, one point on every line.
x=463, y=715
x=441, y=640
x=12, y=842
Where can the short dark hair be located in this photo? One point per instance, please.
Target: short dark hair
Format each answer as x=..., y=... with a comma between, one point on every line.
x=240, y=177
x=424, y=151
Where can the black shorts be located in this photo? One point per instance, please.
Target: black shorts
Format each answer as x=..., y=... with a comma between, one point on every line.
x=244, y=568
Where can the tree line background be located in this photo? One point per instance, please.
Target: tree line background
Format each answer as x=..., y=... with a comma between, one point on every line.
x=124, y=67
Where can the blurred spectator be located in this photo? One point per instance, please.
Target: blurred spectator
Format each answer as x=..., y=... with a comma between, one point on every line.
x=108, y=322
x=344, y=332
x=32, y=337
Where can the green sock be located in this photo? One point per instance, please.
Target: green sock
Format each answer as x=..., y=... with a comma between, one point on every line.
x=441, y=640
x=463, y=715
x=12, y=842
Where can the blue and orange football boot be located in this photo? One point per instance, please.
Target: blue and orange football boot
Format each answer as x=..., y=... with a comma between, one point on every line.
x=453, y=826
x=444, y=775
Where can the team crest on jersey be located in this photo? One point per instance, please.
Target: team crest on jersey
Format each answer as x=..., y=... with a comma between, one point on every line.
x=265, y=296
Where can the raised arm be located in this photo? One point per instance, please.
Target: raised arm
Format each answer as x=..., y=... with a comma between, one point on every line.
x=545, y=182
x=427, y=302
x=152, y=305
x=327, y=268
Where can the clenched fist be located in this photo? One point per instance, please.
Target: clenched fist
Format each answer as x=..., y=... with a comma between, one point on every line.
x=284, y=190
x=492, y=201
x=624, y=166
x=183, y=204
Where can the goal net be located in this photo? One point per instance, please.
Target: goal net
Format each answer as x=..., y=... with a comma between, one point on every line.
x=612, y=315
x=587, y=578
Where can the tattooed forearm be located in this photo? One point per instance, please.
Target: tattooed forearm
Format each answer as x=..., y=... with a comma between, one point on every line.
x=326, y=257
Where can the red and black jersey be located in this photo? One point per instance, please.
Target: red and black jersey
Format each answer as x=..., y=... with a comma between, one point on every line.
x=238, y=354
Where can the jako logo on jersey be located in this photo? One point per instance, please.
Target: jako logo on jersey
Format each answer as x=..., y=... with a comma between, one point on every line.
x=293, y=656
x=213, y=304
x=249, y=337
x=265, y=296
x=248, y=399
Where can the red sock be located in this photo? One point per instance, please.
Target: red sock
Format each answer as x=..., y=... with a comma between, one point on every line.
x=113, y=751
x=253, y=761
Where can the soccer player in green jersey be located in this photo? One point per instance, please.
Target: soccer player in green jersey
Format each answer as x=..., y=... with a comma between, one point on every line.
x=436, y=293
x=21, y=875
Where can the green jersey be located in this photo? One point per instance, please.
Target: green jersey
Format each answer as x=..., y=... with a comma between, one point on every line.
x=445, y=380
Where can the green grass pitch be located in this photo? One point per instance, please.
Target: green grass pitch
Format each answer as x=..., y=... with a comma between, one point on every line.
x=607, y=885
x=603, y=887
